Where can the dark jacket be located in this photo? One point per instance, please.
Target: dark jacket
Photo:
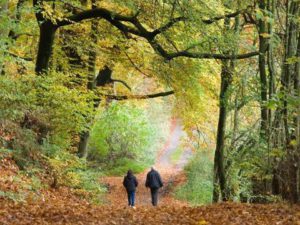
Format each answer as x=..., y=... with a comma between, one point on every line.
x=130, y=182
x=153, y=180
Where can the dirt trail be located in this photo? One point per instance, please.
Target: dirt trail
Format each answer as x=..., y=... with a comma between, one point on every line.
x=170, y=172
x=63, y=206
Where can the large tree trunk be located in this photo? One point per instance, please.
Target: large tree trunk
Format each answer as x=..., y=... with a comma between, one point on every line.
x=291, y=191
x=219, y=171
x=295, y=181
x=220, y=183
x=263, y=43
x=272, y=76
x=297, y=119
x=285, y=137
x=46, y=40
x=91, y=85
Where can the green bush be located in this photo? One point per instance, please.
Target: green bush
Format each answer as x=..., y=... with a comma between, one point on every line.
x=123, y=137
x=14, y=196
x=122, y=165
x=176, y=154
x=199, y=186
x=31, y=105
x=70, y=171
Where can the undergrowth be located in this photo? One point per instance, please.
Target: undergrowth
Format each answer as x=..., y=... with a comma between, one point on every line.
x=176, y=154
x=198, y=188
x=123, y=165
x=61, y=170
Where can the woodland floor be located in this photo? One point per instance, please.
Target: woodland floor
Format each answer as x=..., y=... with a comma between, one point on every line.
x=62, y=207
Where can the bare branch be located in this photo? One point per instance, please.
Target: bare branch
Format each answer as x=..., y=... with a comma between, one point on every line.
x=217, y=18
x=135, y=66
x=128, y=97
x=211, y=55
x=167, y=26
x=139, y=30
x=20, y=57
x=122, y=82
x=94, y=13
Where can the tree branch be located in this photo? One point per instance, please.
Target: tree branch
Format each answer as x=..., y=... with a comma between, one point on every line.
x=128, y=97
x=122, y=82
x=94, y=13
x=211, y=55
x=167, y=26
x=135, y=66
x=217, y=18
x=139, y=30
x=169, y=56
x=20, y=57
x=38, y=11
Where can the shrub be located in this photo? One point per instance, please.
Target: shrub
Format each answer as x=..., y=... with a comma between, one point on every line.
x=70, y=171
x=123, y=134
x=199, y=185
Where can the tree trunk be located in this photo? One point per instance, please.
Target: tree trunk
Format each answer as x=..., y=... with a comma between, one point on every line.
x=47, y=35
x=297, y=119
x=4, y=10
x=17, y=18
x=271, y=66
x=83, y=143
x=288, y=167
x=296, y=135
x=235, y=121
x=263, y=43
x=219, y=171
x=91, y=85
x=3, y=34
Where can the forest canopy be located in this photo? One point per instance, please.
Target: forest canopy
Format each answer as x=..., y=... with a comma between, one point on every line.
x=86, y=82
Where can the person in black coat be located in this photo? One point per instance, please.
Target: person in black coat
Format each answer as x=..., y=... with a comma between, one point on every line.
x=130, y=183
x=154, y=182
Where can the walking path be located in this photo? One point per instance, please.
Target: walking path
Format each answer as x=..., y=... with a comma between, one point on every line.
x=171, y=173
x=65, y=208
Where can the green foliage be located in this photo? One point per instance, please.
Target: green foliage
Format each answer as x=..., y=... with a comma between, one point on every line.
x=122, y=165
x=15, y=184
x=46, y=98
x=63, y=112
x=70, y=171
x=198, y=188
x=123, y=134
x=17, y=197
x=176, y=154
x=4, y=153
x=249, y=167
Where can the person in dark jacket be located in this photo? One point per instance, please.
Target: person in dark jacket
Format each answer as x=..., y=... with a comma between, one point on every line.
x=130, y=183
x=154, y=182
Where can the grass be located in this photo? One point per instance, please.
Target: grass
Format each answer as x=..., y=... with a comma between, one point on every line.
x=175, y=156
x=199, y=186
x=123, y=165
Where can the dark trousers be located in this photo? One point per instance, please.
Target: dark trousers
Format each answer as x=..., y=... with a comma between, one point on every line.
x=131, y=198
x=154, y=196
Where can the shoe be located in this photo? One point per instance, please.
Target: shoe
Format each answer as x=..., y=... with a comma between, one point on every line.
x=133, y=207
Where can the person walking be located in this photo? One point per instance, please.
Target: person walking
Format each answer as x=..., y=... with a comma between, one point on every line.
x=130, y=183
x=154, y=182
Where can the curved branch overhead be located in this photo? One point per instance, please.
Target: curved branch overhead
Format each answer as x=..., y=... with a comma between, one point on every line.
x=128, y=97
x=135, y=27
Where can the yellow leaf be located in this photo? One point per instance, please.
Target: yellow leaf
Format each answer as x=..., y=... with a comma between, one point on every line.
x=202, y=222
x=265, y=35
